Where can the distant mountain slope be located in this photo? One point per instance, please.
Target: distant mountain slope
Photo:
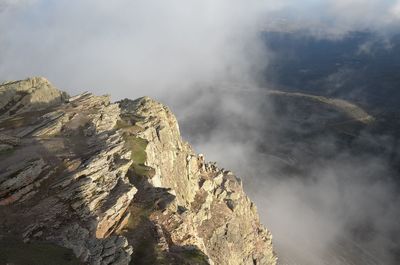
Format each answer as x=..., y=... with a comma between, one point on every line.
x=361, y=66
x=314, y=165
x=354, y=112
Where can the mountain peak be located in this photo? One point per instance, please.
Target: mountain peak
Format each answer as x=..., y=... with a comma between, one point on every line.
x=115, y=183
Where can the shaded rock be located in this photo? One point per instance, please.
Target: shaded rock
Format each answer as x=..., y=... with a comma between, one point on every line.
x=5, y=147
x=9, y=140
x=71, y=163
x=20, y=180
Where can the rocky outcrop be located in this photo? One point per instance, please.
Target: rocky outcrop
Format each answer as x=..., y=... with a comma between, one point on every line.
x=27, y=95
x=64, y=178
x=210, y=210
x=117, y=184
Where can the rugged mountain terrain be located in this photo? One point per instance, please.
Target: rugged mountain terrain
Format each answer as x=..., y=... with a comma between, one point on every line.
x=115, y=184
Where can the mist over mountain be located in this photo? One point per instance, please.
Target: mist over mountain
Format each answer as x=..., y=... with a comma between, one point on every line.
x=299, y=99
x=325, y=178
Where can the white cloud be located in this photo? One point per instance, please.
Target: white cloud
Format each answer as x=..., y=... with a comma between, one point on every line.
x=335, y=18
x=139, y=47
x=395, y=10
x=155, y=46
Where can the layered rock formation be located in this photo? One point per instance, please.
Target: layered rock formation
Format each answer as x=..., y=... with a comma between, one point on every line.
x=116, y=183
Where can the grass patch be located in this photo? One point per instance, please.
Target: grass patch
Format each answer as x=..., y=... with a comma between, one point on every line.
x=138, y=147
x=16, y=252
x=195, y=256
x=127, y=127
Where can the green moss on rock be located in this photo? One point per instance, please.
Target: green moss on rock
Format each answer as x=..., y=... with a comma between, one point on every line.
x=13, y=251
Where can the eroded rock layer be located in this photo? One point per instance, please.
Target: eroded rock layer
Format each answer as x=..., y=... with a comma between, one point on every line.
x=209, y=210
x=116, y=184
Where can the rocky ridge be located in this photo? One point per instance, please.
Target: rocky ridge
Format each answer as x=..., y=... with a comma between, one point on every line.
x=116, y=184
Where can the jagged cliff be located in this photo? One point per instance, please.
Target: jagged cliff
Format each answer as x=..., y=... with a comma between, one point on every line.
x=116, y=184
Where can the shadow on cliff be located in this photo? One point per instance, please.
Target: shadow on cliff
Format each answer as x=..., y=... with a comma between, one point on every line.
x=30, y=199
x=151, y=242
x=44, y=202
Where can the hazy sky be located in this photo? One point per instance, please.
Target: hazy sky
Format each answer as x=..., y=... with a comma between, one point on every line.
x=131, y=48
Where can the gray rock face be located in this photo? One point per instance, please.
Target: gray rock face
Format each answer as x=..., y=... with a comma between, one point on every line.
x=217, y=217
x=67, y=166
x=115, y=183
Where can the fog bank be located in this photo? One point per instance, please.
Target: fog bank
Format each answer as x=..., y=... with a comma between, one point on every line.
x=205, y=59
